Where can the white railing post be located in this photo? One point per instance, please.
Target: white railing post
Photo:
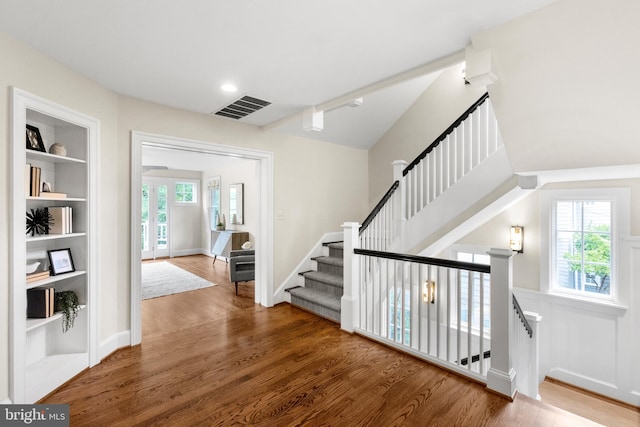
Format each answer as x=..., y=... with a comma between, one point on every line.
x=501, y=377
x=401, y=206
x=349, y=303
x=534, y=370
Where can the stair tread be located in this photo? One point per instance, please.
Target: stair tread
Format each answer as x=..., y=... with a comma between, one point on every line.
x=328, y=278
x=339, y=262
x=318, y=297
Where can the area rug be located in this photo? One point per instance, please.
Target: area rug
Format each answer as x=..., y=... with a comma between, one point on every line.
x=161, y=278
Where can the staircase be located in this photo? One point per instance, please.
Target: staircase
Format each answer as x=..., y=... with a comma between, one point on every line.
x=323, y=287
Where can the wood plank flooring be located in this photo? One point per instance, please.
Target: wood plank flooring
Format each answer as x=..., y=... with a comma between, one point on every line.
x=210, y=358
x=596, y=408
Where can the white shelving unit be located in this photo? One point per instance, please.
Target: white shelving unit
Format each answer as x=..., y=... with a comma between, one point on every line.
x=42, y=357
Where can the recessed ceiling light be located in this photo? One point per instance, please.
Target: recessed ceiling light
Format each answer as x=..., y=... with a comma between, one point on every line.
x=228, y=87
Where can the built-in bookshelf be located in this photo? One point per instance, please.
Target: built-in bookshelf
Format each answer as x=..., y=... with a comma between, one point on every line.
x=42, y=356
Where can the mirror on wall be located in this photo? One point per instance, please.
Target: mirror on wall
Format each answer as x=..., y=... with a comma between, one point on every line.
x=236, y=203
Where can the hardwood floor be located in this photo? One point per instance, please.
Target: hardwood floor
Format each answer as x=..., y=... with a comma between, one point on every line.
x=596, y=408
x=211, y=358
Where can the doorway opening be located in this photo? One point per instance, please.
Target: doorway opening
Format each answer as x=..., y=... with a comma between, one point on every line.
x=263, y=163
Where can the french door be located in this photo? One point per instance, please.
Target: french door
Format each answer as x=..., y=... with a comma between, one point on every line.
x=155, y=219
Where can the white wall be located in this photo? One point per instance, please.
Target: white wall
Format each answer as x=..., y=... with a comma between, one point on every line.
x=566, y=84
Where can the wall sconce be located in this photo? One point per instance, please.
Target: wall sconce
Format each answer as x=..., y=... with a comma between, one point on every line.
x=516, y=242
x=429, y=292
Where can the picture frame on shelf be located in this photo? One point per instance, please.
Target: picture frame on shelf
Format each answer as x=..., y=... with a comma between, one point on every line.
x=61, y=261
x=34, y=139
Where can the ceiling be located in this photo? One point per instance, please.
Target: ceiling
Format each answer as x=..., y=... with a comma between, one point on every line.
x=294, y=54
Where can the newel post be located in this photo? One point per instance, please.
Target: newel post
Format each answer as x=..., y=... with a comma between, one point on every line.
x=401, y=207
x=501, y=377
x=349, y=304
x=534, y=320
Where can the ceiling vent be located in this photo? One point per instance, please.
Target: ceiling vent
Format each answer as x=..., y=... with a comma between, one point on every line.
x=242, y=107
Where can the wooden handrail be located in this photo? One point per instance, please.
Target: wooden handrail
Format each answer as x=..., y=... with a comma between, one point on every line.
x=444, y=134
x=522, y=317
x=379, y=206
x=461, y=265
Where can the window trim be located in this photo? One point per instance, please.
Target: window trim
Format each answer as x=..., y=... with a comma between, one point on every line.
x=194, y=183
x=620, y=228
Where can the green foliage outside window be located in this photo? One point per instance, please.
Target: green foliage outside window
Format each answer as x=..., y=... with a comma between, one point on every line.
x=184, y=192
x=591, y=255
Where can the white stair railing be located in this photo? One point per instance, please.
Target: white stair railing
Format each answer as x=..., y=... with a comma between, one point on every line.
x=449, y=313
x=525, y=350
x=469, y=327
x=379, y=229
x=435, y=309
x=462, y=147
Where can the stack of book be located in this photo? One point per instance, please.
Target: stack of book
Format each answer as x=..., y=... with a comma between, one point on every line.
x=40, y=302
x=32, y=177
x=33, y=184
x=62, y=222
x=40, y=275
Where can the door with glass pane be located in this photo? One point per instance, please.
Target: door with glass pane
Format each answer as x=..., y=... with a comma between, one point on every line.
x=155, y=220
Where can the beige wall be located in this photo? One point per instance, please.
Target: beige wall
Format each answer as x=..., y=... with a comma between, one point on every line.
x=318, y=186
x=23, y=67
x=526, y=266
x=566, y=84
x=430, y=115
x=243, y=172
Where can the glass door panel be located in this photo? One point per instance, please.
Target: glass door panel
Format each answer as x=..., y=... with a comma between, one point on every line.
x=155, y=220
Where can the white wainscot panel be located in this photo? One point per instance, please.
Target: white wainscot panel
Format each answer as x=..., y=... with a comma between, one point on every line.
x=583, y=345
x=635, y=343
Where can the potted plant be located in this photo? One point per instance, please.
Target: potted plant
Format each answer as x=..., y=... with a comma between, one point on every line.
x=67, y=303
x=221, y=222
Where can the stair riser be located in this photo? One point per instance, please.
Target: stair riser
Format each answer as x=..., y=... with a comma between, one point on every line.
x=323, y=287
x=329, y=268
x=335, y=252
x=315, y=308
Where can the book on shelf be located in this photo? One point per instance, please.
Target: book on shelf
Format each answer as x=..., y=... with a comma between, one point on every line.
x=62, y=222
x=34, y=181
x=40, y=275
x=40, y=302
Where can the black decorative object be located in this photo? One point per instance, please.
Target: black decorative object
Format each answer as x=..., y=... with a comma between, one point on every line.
x=34, y=140
x=67, y=303
x=38, y=221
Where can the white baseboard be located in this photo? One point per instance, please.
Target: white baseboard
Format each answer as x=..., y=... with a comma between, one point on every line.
x=6, y=401
x=594, y=385
x=186, y=252
x=114, y=342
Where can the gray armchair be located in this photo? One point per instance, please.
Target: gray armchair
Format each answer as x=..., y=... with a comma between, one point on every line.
x=242, y=266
